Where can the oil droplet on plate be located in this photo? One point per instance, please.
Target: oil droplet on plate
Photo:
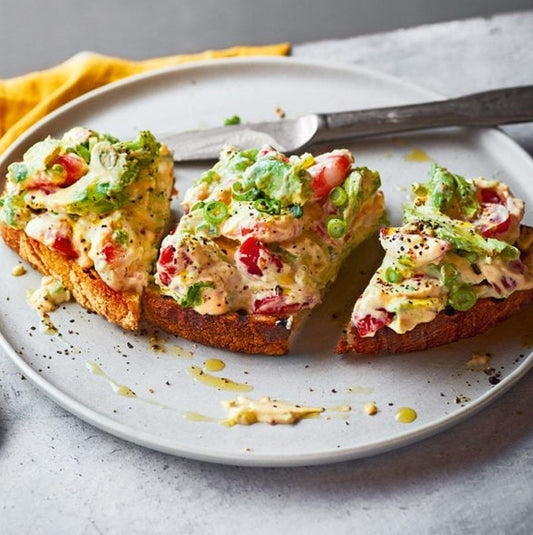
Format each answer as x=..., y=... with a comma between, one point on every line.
x=527, y=341
x=214, y=365
x=405, y=415
x=417, y=155
x=46, y=326
x=221, y=383
x=197, y=417
x=121, y=390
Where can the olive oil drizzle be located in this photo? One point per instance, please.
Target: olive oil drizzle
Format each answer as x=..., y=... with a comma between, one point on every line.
x=221, y=383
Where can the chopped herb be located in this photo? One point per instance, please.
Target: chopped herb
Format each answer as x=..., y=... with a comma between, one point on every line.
x=235, y=119
x=194, y=294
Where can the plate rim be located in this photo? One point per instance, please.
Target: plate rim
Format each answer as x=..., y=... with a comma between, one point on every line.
x=145, y=439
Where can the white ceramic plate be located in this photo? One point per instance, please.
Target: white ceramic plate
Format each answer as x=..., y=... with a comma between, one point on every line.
x=166, y=413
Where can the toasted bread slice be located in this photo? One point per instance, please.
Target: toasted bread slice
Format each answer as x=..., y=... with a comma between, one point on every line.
x=242, y=333
x=261, y=239
x=85, y=285
x=90, y=211
x=445, y=279
x=444, y=329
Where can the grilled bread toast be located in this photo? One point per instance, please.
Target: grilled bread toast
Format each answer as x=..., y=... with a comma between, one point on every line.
x=460, y=264
x=90, y=211
x=263, y=235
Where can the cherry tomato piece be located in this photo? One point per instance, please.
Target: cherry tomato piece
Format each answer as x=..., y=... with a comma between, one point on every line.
x=369, y=324
x=74, y=166
x=255, y=256
x=63, y=245
x=277, y=305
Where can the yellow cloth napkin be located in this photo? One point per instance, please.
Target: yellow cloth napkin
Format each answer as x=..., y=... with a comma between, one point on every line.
x=26, y=99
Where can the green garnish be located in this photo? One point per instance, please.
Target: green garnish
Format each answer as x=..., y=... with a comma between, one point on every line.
x=269, y=206
x=215, y=212
x=462, y=298
x=338, y=196
x=121, y=237
x=336, y=227
x=19, y=171
x=194, y=294
x=393, y=276
x=296, y=210
x=448, y=274
x=246, y=195
x=235, y=119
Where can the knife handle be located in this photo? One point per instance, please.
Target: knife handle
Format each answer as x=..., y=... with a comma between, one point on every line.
x=489, y=108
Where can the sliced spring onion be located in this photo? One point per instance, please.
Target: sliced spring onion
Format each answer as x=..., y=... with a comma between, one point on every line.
x=241, y=194
x=338, y=196
x=462, y=298
x=269, y=206
x=215, y=212
x=237, y=187
x=471, y=256
x=336, y=227
x=197, y=206
x=393, y=276
x=448, y=274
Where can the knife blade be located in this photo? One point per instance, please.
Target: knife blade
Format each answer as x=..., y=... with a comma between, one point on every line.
x=290, y=136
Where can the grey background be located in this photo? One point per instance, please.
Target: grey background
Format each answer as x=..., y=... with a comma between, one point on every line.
x=36, y=35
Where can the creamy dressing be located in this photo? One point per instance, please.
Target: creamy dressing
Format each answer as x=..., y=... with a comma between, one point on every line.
x=245, y=411
x=261, y=256
x=432, y=264
x=48, y=296
x=214, y=365
x=478, y=361
x=98, y=202
x=18, y=270
x=371, y=408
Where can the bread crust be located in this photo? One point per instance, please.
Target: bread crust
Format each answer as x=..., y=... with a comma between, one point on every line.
x=87, y=288
x=241, y=333
x=445, y=328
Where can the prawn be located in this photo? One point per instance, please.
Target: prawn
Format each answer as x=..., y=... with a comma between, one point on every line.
x=330, y=170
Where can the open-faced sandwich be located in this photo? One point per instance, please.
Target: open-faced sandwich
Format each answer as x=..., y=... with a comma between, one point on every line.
x=460, y=263
x=261, y=238
x=90, y=211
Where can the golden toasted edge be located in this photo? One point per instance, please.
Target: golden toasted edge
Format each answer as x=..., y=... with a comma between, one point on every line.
x=445, y=329
x=87, y=288
x=241, y=333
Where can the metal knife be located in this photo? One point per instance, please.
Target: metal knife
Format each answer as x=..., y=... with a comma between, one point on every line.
x=489, y=108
